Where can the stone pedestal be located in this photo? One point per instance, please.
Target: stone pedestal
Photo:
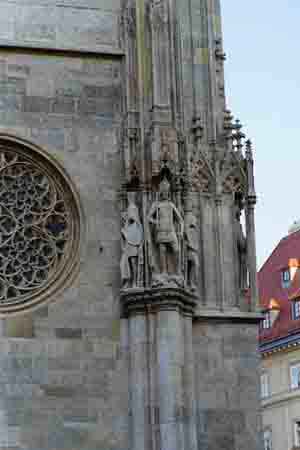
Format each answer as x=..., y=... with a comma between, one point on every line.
x=161, y=368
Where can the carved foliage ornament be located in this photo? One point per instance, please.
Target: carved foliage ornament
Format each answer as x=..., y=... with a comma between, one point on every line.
x=201, y=177
x=39, y=228
x=233, y=174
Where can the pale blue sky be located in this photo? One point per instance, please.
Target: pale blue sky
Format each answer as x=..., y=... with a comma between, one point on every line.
x=261, y=40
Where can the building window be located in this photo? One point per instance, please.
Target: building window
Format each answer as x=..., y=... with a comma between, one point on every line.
x=295, y=376
x=296, y=309
x=264, y=385
x=297, y=433
x=266, y=323
x=286, y=278
x=267, y=436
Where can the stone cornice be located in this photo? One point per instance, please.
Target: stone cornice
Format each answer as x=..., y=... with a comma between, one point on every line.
x=228, y=315
x=101, y=50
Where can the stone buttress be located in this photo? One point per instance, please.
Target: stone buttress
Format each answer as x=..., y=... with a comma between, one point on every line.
x=189, y=289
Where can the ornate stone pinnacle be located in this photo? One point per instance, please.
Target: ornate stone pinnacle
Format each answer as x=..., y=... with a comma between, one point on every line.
x=249, y=151
x=239, y=135
x=220, y=55
x=228, y=125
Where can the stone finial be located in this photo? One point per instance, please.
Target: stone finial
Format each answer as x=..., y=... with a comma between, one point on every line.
x=239, y=136
x=220, y=55
x=249, y=150
x=251, y=184
x=228, y=125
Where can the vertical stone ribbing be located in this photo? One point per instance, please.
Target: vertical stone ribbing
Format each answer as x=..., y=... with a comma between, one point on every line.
x=185, y=43
x=201, y=60
x=219, y=65
x=131, y=120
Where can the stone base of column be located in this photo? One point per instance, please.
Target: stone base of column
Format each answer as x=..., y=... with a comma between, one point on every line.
x=165, y=315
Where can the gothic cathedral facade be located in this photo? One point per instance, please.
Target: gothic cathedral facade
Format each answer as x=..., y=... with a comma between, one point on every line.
x=128, y=292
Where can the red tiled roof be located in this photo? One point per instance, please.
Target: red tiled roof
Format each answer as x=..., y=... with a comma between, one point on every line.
x=286, y=254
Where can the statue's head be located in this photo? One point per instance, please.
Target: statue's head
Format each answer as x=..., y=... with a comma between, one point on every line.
x=164, y=189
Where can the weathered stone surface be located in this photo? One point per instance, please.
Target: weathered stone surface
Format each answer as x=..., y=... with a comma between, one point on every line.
x=73, y=25
x=157, y=374
x=68, y=387
x=227, y=386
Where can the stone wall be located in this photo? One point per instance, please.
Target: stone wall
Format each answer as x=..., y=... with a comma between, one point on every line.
x=63, y=394
x=79, y=25
x=67, y=387
x=226, y=380
x=87, y=379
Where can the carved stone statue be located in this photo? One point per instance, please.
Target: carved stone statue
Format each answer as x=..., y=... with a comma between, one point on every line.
x=163, y=218
x=192, y=249
x=241, y=243
x=131, y=240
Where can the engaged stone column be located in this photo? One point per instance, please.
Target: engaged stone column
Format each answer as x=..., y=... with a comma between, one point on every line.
x=161, y=359
x=251, y=252
x=250, y=228
x=189, y=413
x=138, y=381
x=170, y=383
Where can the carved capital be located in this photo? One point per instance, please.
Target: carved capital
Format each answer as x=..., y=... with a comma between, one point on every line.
x=139, y=301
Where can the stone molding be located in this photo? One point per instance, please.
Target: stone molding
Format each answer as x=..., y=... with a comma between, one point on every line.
x=231, y=316
x=142, y=301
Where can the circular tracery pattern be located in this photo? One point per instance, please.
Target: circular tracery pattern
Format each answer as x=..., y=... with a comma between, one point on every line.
x=39, y=223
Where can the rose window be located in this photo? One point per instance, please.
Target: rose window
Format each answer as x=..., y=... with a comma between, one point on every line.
x=39, y=227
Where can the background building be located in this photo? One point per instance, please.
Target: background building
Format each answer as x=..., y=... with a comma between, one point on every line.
x=279, y=290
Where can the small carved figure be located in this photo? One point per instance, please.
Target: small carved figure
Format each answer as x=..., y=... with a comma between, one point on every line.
x=192, y=249
x=164, y=216
x=241, y=243
x=131, y=240
x=159, y=13
x=130, y=20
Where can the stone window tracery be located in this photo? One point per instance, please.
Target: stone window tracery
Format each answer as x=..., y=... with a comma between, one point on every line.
x=39, y=226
